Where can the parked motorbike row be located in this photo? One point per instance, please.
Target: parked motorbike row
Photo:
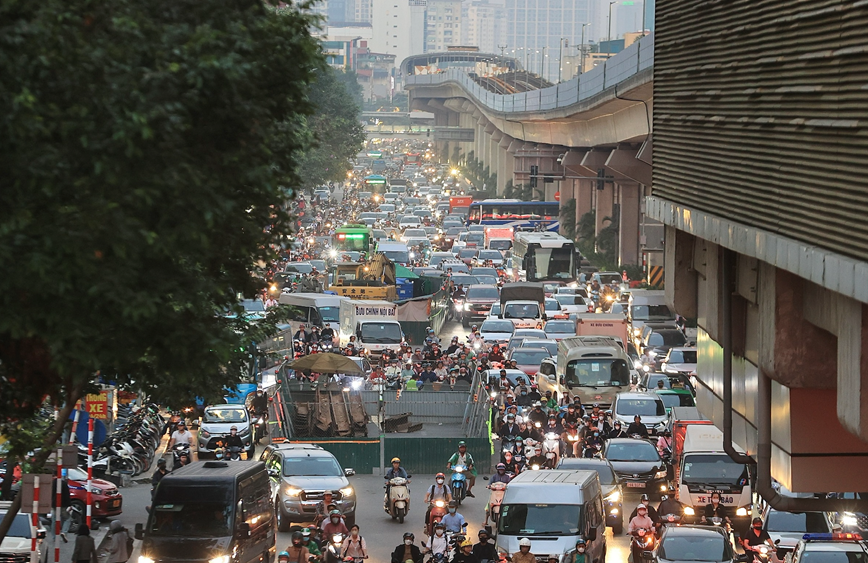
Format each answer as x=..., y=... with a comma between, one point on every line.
x=130, y=449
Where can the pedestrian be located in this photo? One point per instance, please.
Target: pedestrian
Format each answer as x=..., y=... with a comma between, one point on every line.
x=85, y=549
x=120, y=543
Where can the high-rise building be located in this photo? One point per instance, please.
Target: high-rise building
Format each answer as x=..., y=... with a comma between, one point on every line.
x=482, y=25
x=362, y=10
x=399, y=28
x=539, y=32
x=443, y=25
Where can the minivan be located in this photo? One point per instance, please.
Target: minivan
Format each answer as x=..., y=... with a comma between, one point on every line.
x=553, y=509
x=211, y=511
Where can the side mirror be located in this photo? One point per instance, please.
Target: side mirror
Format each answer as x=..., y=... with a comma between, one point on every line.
x=777, y=541
x=40, y=534
x=243, y=530
x=591, y=535
x=485, y=478
x=140, y=532
x=349, y=471
x=273, y=473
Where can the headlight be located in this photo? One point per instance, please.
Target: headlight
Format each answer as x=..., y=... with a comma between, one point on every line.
x=337, y=538
x=467, y=306
x=688, y=511
x=221, y=559
x=143, y=559
x=637, y=331
x=437, y=503
x=849, y=520
x=347, y=492
x=637, y=364
x=660, y=474
x=459, y=469
x=614, y=496
x=96, y=491
x=290, y=492
x=535, y=467
x=204, y=433
x=741, y=511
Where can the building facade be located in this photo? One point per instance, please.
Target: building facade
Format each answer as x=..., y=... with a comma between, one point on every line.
x=399, y=28
x=443, y=25
x=483, y=25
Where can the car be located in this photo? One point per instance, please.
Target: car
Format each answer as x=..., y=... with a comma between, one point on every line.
x=554, y=309
x=414, y=233
x=787, y=528
x=487, y=279
x=522, y=334
x=550, y=345
x=572, y=303
x=528, y=359
x=845, y=547
x=455, y=266
x=613, y=495
x=378, y=235
x=409, y=221
x=298, y=267
x=658, y=342
x=679, y=360
x=495, y=311
x=15, y=547
x=484, y=271
x=422, y=213
x=675, y=398
x=495, y=331
x=464, y=280
x=637, y=464
x=647, y=405
x=693, y=544
x=438, y=257
x=484, y=255
x=551, y=288
x=369, y=221
x=217, y=422
x=466, y=254
x=560, y=329
x=641, y=332
x=568, y=290
x=650, y=382
x=478, y=300
x=391, y=198
x=474, y=239
x=106, y=498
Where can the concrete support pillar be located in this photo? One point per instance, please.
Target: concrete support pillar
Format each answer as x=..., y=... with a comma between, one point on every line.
x=605, y=200
x=628, y=236
x=584, y=198
x=681, y=275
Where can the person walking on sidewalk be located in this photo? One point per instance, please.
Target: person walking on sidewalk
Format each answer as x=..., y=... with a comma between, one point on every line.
x=120, y=543
x=85, y=549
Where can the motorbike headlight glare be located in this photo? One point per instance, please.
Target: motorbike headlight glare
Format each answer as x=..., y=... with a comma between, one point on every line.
x=337, y=538
x=438, y=504
x=347, y=492
x=467, y=306
x=741, y=511
x=660, y=474
x=849, y=519
x=688, y=511
x=143, y=559
x=221, y=559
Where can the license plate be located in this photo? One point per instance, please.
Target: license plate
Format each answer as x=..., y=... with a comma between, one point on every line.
x=116, y=503
x=636, y=485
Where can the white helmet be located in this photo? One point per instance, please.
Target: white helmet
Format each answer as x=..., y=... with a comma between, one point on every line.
x=524, y=542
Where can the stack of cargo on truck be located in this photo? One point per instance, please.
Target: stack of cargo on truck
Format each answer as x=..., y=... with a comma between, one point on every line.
x=365, y=280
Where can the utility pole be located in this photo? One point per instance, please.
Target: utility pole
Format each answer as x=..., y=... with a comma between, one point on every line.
x=582, y=50
x=560, y=57
x=609, y=40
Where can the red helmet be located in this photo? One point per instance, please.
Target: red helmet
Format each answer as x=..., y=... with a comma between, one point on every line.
x=440, y=476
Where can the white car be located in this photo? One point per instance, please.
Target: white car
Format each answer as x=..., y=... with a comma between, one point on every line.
x=679, y=360
x=571, y=304
x=496, y=331
x=409, y=221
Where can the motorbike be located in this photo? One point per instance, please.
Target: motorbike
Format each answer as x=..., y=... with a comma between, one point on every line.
x=643, y=540
x=551, y=447
x=333, y=550
x=670, y=519
x=459, y=481
x=593, y=451
x=234, y=453
x=573, y=439
x=495, y=499
x=438, y=511
x=177, y=451
x=509, y=444
x=398, y=502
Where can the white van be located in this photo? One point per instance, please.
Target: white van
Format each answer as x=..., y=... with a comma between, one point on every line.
x=553, y=509
x=647, y=306
x=313, y=309
x=397, y=252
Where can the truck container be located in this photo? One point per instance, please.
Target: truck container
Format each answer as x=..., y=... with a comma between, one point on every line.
x=601, y=324
x=374, y=324
x=493, y=234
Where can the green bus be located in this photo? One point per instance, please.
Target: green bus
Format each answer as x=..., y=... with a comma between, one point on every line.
x=353, y=238
x=375, y=184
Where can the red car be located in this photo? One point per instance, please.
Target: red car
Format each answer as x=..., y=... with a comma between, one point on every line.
x=107, y=500
x=528, y=360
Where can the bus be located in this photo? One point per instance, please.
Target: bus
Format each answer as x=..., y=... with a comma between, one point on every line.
x=353, y=238
x=375, y=184
x=541, y=257
x=515, y=213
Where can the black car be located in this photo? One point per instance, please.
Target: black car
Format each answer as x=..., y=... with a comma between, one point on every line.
x=637, y=464
x=658, y=342
x=613, y=496
x=688, y=544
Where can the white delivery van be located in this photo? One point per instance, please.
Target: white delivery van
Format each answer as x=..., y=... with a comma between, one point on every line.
x=646, y=306
x=374, y=324
x=553, y=509
x=312, y=309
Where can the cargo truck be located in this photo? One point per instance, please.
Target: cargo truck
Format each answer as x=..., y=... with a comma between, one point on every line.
x=601, y=324
x=374, y=324
x=498, y=238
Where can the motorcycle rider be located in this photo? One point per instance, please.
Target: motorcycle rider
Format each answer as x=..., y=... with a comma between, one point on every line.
x=645, y=502
x=233, y=440
x=510, y=463
x=309, y=536
x=715, y=508
x=438, y=491
x=323, y=507
x=453, y=520
x=453, y=346
x=757, y=536
x=395, y=471
x=158, y=475
x=461, y=457
x=465, y=553
x=537, y=414
x=509, y=428
x=669, y=505
x=500, y=476
x=298, y=553
x=437, y=544
x=593, y=443
x=406, y=552
x=335, y=524
x=485, y=550
x=636, y=427
x=523, y=555
x=664, y=443
x=617, y=431
x=301, y=335
x=354, y=545
x=638, y=522
x=580, y=556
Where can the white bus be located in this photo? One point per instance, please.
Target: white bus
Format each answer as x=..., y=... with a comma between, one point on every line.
x=538, y=257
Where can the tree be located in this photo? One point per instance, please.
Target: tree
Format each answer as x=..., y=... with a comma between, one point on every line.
x=146, y=150
x=334, y=132
x=568, y=218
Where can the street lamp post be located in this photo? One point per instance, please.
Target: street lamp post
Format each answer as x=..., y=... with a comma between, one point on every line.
x=609, y=40
x=560, y=57
x=582, y=50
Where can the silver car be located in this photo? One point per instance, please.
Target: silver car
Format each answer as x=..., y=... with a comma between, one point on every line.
x=217, y=423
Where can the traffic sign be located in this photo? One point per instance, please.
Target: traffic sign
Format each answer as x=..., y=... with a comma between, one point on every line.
x=557, y=196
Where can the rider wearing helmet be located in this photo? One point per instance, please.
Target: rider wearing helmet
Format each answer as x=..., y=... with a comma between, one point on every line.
x=233, y=440
x=465, y=553
x=500, y=476
x=335, y=524
x=453, y=520
x=757, y=536
x=297, y=551
x=669, y=505
x=395, y=471
x=283, y=557
x=310, y=541
x=523, y=555
x=407, y=552
x=485, y=550
x=438, y=491
x=580, y=556
x=323, y=507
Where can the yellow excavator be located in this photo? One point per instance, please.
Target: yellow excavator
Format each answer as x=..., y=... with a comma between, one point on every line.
x=374, y=279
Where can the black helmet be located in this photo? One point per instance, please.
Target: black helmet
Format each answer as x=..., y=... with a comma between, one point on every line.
x=409, y=535
x=757, y=520
x=297, y=537
x=482, y=532
x=645, y=498
x=161, y=462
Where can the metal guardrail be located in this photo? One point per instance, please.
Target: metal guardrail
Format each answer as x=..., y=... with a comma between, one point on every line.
x=621, y=67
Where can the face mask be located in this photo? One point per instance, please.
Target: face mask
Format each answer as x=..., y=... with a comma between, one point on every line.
x=335, y=520
x=596, y=433
x=757, y=526
x=355, y=532
x=439, y=481
x=408, y=542
x=439, y=532
x=581, y=550
x=524, y=392
x=451, y=511
x=642, y=513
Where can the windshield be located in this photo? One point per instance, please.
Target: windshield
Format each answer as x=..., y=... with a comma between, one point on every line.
x=521, y=311
x=552, y=305
x=400, y=256
x=477, y=238
x=253, y=305
x=570, y=299
x=566, y=327
x=464, y=280
x=677, y=400
x=634, y=450
x=647, y=312
x=604, y=471
x=672, y=337
x=311, y=467
x=712, y=469
x=552, y=347
x=598, y=371
x=414, y=233
x=381, y=333
x=682, y=356
x=20, y=527
x=643, y=407
x=529, y=357
x=607, y=279
x=467, y=253
x=224, y=415
x=330, y=314
x=500, y=244
x=552, y=264
x=482, y=293
x=540, y=519
x=490, y=255
x=194, y=511
x=497, y=326
x=797, y=522
x=706, y=547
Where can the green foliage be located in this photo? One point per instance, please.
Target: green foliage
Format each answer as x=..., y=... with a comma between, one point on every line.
x=334, y=133
x=145, y=146
x=456, y=155
x=568, y=219
x=585, y=233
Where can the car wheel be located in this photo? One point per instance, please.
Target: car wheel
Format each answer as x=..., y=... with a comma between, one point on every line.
x=282, y=520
